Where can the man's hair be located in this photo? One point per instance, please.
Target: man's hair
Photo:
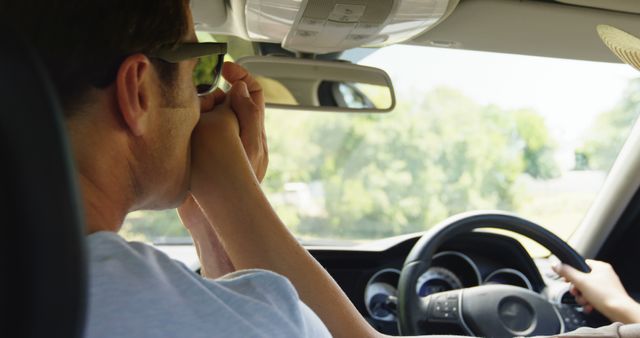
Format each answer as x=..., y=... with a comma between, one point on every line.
x=83, y=42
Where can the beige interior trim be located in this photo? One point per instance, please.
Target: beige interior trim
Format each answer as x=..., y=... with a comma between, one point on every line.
x=619, y=187
x=530, y=28
x=629, y=6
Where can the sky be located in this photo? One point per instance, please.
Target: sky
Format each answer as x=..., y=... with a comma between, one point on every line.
x=569, y=94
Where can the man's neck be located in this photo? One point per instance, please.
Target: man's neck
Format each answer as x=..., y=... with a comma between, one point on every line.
x=103, y=212
x=104, y=173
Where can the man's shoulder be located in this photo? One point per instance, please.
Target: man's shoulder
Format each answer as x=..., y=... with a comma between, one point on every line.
x=108, y=244
x=134, y=287
x=109, y=249
x=262, y=285
x=110, y=253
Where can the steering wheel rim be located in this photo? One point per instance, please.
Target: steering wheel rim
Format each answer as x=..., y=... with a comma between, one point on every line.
x=411, y=308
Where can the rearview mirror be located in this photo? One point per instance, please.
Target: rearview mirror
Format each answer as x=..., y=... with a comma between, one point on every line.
x=334, y=86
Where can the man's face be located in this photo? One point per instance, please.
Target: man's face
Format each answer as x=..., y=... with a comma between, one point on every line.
x=166, y=171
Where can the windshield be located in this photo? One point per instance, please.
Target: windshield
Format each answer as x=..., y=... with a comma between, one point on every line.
x=472, y=130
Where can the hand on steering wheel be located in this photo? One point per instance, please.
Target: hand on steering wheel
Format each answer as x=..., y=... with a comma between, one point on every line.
x=488, y=310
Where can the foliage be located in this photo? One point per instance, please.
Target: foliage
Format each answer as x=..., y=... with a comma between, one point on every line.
x=610, y=130
x=153, y=226
x=402, y=172
x=538, y=147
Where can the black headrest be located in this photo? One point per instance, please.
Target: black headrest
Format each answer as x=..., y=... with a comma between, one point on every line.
x=43, y=279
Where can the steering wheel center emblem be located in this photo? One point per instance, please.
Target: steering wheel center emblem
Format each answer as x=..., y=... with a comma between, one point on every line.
x=516, y=314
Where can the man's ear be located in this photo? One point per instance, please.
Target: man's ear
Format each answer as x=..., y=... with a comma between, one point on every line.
x=133, y=91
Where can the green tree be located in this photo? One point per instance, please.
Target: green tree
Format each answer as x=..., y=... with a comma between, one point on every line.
x=538, y=147
x=610, y=130
x=154, y=226
x=401, y=172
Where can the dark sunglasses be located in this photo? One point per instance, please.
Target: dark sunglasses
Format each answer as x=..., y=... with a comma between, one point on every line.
x=210, y=57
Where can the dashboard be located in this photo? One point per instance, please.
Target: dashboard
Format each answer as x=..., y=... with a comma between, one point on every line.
x=369, y=274
x=450, y=270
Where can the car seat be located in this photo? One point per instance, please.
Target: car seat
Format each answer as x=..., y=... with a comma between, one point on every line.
x=43, y=279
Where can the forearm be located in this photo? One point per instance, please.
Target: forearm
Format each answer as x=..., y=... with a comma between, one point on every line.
x=626, y=312
x=213, y=257
x=254, y=237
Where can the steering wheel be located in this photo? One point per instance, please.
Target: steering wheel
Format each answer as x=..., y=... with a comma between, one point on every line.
x=487, y=310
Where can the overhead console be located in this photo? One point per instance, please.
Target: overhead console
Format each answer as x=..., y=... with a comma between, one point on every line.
x=325, y=26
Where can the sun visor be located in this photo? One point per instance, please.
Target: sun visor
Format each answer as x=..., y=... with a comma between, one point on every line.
x=325, y=26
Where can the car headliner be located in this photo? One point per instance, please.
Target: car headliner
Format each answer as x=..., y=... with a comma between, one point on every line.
x=539, y=28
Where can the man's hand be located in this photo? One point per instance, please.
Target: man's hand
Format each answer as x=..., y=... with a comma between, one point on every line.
x=215, y=136
x=234, y=115
x=228, y=160
x=250, y=114
x=247, y=102
x=601, y=289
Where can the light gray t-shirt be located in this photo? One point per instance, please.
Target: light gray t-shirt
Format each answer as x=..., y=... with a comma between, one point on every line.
x=138, y=291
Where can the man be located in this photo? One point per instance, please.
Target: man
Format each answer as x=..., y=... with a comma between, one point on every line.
x=140, y=142
x=142, y=139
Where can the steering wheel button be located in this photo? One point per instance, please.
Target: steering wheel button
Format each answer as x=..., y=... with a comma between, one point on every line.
x=447, y=316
